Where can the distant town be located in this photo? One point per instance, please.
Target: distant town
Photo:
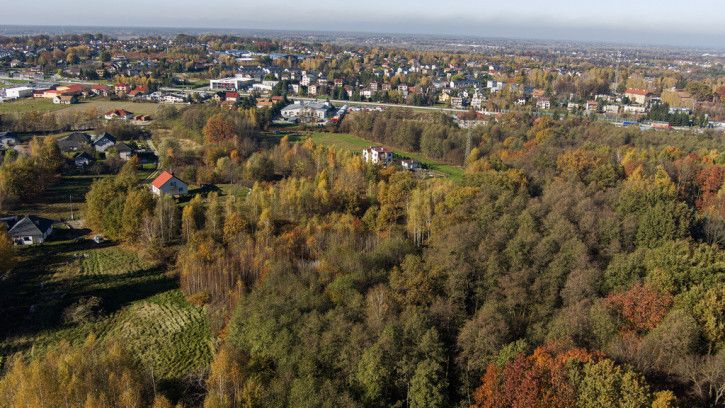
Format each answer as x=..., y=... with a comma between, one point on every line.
x=670, y=90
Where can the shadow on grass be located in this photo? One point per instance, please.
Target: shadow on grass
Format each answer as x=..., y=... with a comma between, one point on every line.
x=34, y=297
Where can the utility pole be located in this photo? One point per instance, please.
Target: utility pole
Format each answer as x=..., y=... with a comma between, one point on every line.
x=468, y=142
x=616, y=72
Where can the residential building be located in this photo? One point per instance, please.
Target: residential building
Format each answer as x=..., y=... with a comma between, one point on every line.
x=637, y=95
x=7, y=140
x=635, y=109
x=409, y=164
x=543, y=103
x=100, y=89
x=65, y=100
x=457, y=102
x=74, y=142
x=118, y=114
x=124, y=151
x=495, y=86
x=83, y=160
x=28, y=230
x=377, y=155
x=103, y=142
x=121, y=88
x=139, y=91
x=167, y=183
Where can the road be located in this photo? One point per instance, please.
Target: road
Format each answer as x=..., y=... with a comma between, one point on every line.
x=154, y=173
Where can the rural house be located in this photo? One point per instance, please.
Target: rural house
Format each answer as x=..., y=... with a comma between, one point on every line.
x=74, y=142
x=103, y=142
x=167, y=183
x=377, y=154
x=83, y=160
x=28, y=230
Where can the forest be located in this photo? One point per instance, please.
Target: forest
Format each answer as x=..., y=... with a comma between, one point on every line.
x=576, y=264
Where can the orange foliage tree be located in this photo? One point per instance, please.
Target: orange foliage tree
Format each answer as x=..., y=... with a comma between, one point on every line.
x=538, y=380
x=219, y=129
x=642, y=306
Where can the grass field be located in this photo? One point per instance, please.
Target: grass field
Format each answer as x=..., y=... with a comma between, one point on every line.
x=140, y=305
x=103, y=106
x=355, y=144
x=28, y=104
x=56, y=202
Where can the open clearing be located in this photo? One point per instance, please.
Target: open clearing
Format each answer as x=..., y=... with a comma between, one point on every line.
x=101, y=105
x=355, y=144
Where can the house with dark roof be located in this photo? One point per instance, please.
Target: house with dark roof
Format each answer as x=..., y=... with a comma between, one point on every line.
x=124, y=151
x=103, y=142
x=7, y=140
x=83, y=160
x=29, y=230
x=167, y=183
x=74, y=142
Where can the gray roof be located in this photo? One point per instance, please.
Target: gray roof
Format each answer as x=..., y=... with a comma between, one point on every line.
x=83, y=157
x=122, y=147
x=317, y=106
x=30, y=225
x=104, y=141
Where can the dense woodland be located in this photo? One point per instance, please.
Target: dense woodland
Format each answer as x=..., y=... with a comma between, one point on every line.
x=576, y=264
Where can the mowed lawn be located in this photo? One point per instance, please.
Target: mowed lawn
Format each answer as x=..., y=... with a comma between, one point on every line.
x=355, y=144
x=136, y=303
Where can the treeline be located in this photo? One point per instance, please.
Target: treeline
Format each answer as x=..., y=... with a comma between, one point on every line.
x=24, y=177
x=432, y=134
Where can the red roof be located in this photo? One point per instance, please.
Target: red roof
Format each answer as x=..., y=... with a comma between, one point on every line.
x=102, y=86
x=119, y=112
x=637, y=92
x=379, y=149
x=232, y=95
x=162, y=179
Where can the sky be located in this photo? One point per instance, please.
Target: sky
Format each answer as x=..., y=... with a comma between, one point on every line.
x=694, y=23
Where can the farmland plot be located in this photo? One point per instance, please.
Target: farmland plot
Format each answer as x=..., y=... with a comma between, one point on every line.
x=67, y=291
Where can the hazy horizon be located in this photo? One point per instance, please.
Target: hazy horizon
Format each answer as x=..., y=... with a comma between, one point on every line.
x=646, y=22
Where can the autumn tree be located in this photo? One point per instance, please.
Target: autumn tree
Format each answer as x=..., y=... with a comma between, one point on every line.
x=219, y=129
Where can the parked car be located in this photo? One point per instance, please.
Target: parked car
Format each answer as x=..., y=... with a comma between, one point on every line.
x=98, y=239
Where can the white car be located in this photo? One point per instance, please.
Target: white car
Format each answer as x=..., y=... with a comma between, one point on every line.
x=98, y=239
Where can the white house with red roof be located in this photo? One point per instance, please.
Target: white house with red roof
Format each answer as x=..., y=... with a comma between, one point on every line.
x=118, y=114
x=167, y=183
x=377, y=154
